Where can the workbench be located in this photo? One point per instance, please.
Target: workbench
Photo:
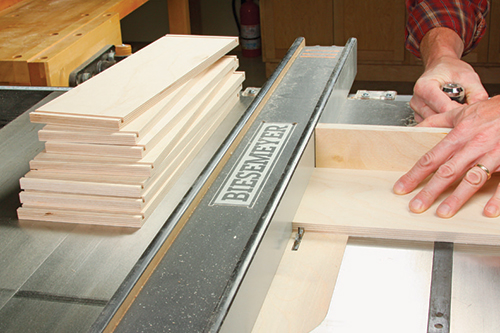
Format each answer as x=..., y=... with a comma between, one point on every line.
x=206, y=261
x=42, y=42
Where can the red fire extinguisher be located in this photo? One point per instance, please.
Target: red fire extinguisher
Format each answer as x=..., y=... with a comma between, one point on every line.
x=250, y=29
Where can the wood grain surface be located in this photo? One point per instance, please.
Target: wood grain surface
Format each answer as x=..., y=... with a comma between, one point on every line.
x=371, y=147
x=37, y=36
x=105, y=210
x=161, y=116
x=361, y=203
x=124, y=91
x=135, y=137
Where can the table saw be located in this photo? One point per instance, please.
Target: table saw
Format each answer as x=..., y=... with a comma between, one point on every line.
x=220, y=252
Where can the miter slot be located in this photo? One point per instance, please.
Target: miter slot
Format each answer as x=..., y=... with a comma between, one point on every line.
x=440, y=297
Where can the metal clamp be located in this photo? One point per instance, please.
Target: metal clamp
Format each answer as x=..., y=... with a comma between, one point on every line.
x=298, y=239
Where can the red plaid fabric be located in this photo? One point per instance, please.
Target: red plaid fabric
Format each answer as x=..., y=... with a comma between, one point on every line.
x=467, y=18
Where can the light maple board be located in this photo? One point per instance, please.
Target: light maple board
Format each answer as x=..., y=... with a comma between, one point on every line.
x=58, y=215
x=108, y=185
x=40, y=208
x=373, y=147
x=136, y=83
x=81, y=164
x=361, y=203
x=146, y=166
x=353, y=200
x=167, y=130
x=165, y=112
x=50, y=193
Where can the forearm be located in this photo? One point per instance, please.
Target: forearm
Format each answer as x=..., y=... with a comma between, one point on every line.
x=466, y=18
x=440, y=42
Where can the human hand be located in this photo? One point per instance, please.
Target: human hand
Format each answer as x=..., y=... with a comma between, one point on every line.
x=474, y=139
x=429, y=99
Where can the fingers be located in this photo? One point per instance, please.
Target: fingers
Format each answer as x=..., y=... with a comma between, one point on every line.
x=449, y=166
x=475, y=92
x=476, y=96
x=420, y=108
x=474, y=179
x=424, y=107
x=439, y=120
x=429, y=99
x=442, y=179
x=428, y=164
x=492, y=208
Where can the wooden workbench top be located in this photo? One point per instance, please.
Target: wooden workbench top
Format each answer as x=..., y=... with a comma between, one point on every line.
x=29, y=28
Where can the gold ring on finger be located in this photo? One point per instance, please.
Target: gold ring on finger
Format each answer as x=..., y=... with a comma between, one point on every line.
x=485, y=169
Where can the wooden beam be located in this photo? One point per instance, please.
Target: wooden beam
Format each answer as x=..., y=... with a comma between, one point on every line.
x=8, y=3
x=178, y=17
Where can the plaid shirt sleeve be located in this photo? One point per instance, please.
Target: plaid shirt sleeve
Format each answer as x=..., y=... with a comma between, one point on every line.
x=467, y=18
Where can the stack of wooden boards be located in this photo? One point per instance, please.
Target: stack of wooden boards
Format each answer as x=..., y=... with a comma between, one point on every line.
x=118, y=142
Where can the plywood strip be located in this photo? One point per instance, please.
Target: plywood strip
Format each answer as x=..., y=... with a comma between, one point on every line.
x=370, y=147
x=133, y=152
x=361, y=203
x=82, y=202
x=159, y=152
x=155, y=199
x=165, y=136
x=192, y=140
x=107, y=187
x=59, y=215
x=79, y=206
x=130, y=134
x=72, y=120
x=132, y=180
x=138, y=82
x=203, y=81
x=92, y=167
x=189, y=107
x=44, y=156
x=81, y=135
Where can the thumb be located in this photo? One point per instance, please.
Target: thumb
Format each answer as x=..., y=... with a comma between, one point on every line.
x=439, y=120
